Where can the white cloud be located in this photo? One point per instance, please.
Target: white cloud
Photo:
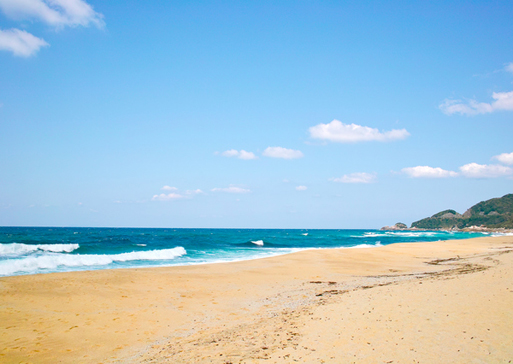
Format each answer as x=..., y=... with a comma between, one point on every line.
x=242, y=154
x=503, y=101
x=20, y=42
x=169, y=188
x=301, y=188
x=506, y=158
x=509, y=67
x=231, y=189
x=247, y=155
x=358, y=177
x=230, y=153
x=279, y=152
x=474, y=170
x=57, y=13
x=194, y=192
x=428, y=172
x=174, y=195
x=336, y=131
x=168, y=197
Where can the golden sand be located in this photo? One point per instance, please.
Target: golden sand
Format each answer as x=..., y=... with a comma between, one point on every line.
x=437, y=302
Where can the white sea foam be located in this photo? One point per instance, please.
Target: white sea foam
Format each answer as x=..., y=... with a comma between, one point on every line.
x=305, y=234
x=378, y=243
x=20, y=249
x=58, y=260
x=258, y=242
x=501, y=234
x=368, y=235
x=412, y=234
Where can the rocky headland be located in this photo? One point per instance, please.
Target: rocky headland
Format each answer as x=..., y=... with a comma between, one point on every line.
x=494, y=215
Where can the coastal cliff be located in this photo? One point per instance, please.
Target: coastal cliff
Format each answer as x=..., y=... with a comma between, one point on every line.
x=496, y=213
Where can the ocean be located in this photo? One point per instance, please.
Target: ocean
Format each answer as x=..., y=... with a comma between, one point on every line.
x=34, y=250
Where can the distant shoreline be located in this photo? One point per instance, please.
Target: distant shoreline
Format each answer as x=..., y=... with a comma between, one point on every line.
x=472, y=229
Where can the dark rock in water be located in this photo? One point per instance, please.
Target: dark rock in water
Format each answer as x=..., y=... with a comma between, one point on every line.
x=398, y=226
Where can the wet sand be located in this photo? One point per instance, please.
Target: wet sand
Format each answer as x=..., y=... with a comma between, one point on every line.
x=449, y=302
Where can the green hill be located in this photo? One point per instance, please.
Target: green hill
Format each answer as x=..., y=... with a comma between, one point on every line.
x=493, y=213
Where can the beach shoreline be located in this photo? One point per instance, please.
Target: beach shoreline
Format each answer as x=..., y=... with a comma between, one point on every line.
x=400, y=302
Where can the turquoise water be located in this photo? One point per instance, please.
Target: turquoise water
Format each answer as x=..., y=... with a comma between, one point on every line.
x=31, y=250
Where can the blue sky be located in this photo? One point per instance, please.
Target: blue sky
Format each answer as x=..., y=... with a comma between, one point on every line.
x=279, y=114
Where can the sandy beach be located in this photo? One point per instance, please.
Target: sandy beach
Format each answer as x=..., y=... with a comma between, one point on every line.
x=446, y=301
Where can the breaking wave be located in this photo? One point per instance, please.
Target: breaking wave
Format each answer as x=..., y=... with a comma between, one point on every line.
x=412, y=234
x=32, y=264
x=502, y=234
x=21, y=249
x=378, y=243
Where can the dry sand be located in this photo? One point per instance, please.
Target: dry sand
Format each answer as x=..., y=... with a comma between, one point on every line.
x=437, y=302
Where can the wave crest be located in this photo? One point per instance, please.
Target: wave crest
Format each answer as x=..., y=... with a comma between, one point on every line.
x=378, y=243
x=410, y=234
x=52, y=261
x=20, y=249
